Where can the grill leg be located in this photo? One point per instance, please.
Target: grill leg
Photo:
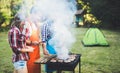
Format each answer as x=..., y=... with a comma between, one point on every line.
x=59, y=71
x=49, y=72
x=80, y=66
x=74, y=71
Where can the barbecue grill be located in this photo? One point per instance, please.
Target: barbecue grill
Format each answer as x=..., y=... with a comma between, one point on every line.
x=61, y=65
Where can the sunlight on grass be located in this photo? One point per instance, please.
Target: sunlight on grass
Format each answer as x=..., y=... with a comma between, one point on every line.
x=93, y=60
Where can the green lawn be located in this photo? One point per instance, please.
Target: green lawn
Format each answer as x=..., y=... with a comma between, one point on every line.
x=93, y=59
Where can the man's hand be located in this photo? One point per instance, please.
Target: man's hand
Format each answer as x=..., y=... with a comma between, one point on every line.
x=45, y=52
x=36, y=43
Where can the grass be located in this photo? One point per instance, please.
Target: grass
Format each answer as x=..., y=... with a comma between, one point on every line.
x=5, y=54
x=93, y=60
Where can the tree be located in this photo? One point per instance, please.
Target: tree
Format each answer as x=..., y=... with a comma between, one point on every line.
x=7, y=10
x=107, y=11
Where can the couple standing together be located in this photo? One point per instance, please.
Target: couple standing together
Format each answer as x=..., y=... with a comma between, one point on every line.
x=24, y=39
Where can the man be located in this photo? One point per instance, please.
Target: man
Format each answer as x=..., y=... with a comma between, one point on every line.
x=35, y=43
x=47, y=33
x=35, y=39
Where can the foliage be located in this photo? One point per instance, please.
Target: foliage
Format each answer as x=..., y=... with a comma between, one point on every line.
x=91, y=19
x=4, y=10
x=8, y=8
x=107, y=11
x=88, y=16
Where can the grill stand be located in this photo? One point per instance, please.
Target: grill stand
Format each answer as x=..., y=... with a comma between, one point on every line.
x=66, y=66
x=59, y=67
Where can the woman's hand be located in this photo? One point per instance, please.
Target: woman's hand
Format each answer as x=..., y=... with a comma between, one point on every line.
x=29, y=49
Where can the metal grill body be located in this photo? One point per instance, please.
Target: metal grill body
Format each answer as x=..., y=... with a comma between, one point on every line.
x=62, y=66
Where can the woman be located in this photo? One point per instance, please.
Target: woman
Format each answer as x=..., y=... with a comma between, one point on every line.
x=17, y=40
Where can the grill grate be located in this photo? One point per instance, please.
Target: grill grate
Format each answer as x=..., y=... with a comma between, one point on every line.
x=53, y=63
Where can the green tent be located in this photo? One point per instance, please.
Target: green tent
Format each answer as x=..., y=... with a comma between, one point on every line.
x=94, y=37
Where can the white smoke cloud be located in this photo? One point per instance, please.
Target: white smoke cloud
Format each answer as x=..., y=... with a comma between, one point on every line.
x=62, y=13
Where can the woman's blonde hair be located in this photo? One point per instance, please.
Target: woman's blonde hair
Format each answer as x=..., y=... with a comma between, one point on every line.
x=16, y=21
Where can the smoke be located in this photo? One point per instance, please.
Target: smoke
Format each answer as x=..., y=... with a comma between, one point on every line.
x=62, y=13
